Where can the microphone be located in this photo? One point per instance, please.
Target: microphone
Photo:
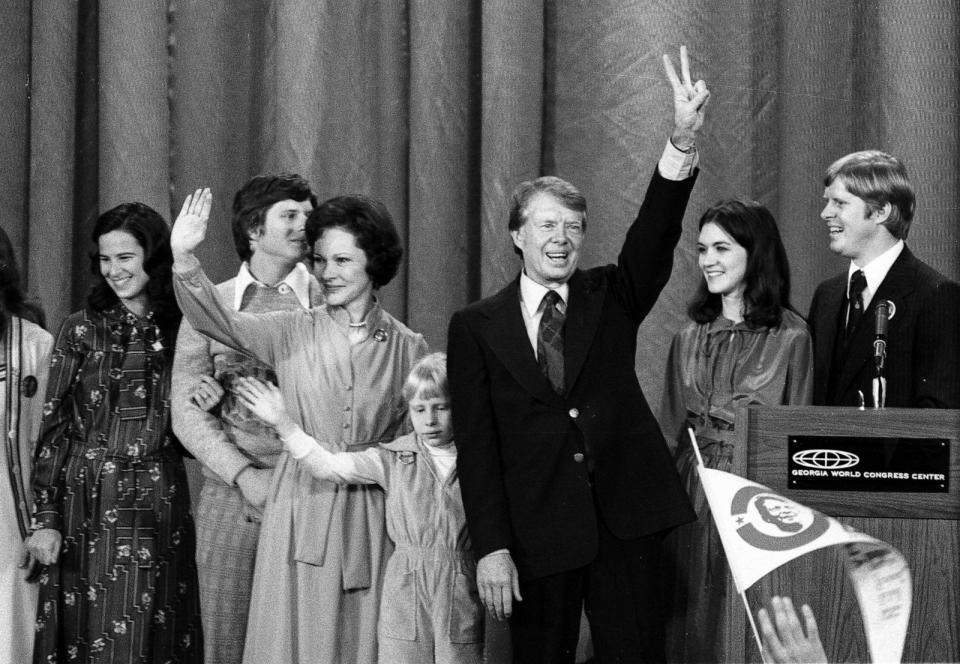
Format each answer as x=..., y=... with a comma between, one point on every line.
x=880, y=352
x=880, y=335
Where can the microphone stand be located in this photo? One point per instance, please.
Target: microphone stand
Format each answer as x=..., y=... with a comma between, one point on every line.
x=879, y=390
x=880, y=356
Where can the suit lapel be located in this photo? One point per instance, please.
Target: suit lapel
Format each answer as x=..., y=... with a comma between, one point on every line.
x=506, y=335
x=583, y=318
x=895, y=287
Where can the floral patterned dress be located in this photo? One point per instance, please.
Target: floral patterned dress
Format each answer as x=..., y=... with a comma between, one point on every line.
x=110, y=478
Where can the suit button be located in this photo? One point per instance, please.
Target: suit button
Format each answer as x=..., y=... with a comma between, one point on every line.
x=578, y=457
x=574, y=413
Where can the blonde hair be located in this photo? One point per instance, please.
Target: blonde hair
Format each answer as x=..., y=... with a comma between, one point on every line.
x=878, y=179
x=427, y=379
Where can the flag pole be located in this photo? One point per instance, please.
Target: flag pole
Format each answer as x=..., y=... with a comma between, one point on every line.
x=743, y=593
x=753, y=625
x=696, y=448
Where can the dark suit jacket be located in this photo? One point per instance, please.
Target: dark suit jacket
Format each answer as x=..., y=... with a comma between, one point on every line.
x=523, y=487
x=923, y=340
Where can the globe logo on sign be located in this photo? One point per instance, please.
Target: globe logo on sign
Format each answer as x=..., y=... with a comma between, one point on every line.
x=826, y=459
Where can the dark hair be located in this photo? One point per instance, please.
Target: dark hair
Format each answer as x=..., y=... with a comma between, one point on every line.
x=368, y=220
x=12, y=298
x=152, y=233
x=878, y=179
x=251, y=202
x=563, y=191
x=767, y=277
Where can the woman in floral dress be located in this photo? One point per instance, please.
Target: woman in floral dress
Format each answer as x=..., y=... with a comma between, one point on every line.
x=112, y=503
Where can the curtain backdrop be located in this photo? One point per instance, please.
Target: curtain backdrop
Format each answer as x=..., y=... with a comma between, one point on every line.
x=440, y=107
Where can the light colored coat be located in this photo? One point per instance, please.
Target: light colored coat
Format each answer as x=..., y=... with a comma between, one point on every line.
x=26, y=351
x=430, y=610
x=323, y=547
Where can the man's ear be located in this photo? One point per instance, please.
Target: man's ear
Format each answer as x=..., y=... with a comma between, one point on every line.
x=880, y=216
x=254, y=235
x=515, y=235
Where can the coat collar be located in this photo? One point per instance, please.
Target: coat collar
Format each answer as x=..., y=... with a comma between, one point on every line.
x=583, y=319
x=507, y=336
x=408, y=447
x=407, y=443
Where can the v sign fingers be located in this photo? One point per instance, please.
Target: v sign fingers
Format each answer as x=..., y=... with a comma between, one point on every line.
x=689, y=101
x=685, y=68
x=672, y=75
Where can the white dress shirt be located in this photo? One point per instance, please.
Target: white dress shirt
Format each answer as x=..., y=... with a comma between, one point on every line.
x=676, y=164
x=875, y=271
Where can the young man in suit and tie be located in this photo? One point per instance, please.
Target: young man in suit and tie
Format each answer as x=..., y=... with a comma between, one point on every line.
x=567, y=482
x=869, y=208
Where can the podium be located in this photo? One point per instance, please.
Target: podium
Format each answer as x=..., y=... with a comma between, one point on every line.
x=923, y=525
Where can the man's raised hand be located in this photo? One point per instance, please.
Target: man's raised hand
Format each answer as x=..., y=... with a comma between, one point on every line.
x=689, y=101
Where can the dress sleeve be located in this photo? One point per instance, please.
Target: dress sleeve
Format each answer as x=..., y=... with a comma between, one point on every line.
x=40, y=347
x=258, y=335
x=798, y=387
x=365, y=467
x=66, y=362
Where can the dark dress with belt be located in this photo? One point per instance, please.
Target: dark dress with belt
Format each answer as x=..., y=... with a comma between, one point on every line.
x=110, y=478
x=713, y=370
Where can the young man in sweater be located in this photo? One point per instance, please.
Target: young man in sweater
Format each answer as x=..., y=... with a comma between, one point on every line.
x=238, y=452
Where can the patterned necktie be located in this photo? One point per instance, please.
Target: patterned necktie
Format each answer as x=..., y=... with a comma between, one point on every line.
x=550, y=341
x=855, y=301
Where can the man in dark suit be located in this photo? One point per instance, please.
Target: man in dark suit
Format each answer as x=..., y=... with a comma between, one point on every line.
x=869, y=208
x=566, y=479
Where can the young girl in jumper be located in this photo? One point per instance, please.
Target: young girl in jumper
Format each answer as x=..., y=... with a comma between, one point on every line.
x=430, y=610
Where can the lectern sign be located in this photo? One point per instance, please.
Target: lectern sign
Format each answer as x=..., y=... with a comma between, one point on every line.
x=832, y=463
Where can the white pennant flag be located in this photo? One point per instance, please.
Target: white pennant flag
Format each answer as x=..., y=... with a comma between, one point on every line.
x=762, y=530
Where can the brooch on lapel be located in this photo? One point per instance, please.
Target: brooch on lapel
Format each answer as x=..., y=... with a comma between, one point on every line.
x=380, y=334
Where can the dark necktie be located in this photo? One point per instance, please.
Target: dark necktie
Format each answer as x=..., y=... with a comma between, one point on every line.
x=550, y=341
x=855, y=301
